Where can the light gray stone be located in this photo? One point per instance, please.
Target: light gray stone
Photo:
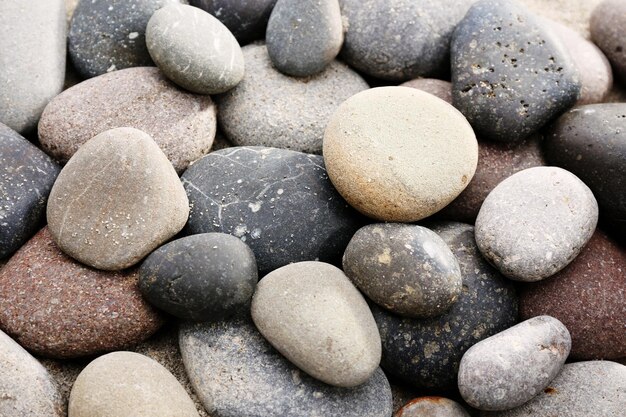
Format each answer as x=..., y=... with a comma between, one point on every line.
x=432, y=407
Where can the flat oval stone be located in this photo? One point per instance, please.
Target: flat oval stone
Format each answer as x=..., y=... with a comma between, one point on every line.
x=135, y=385
x=32, y=59
x=535, y=222
x=438, y=88
x=56, y=307
x=194, y=49
x=259, y=194
x=406, y=269
x=26, y=178
x=399, y=154
x=145, y=202
x=181, y=123
x=248, y=378
x=608, y=31
x=582, y=389
x=312, y=314
x=510, y=75
x=508, y=369
x=26, y=386
x=109, y=35
x=201, y=277
x=268, y=108
x=426, y=352
x=304, y=37
x=587, y=296
x=432, y=407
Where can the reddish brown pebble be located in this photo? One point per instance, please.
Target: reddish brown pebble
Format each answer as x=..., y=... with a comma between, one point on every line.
x=432, y=407
x=438, y=88
x=56, y=307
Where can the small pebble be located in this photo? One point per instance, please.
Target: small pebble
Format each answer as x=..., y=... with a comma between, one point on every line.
x=608, y=31
x=438, y=88
x=432, y=407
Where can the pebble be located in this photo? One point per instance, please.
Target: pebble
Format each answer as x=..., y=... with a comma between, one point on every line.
x=194, y=49
x=400, y=39
x=399, y=154
x=32, y=59
x=249, y=378
x=406, y=269
x=426, y=352
x=260, y=194
x=128, y=384
x=304, y=37
x=56, y=307
x=535, y=222
x=26, y=388
x=26, y=177
x=201, y=277
x=608, y=31
x=312, y=314
x=506, y=370
x=269, y=108
x=510, y=74
x=181, y=123
x=588, y=297
x=145, y=203
x=432, y=407
x=582, y=389
x=438, y=88
x=110, y=35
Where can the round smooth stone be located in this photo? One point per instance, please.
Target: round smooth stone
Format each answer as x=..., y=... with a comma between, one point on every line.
x=248, y=378
x=128, y=384
x=26, y=178
x=181, y=123
x=432, y=407
x=26, y=386
x=399, y=154
x=110, y=35
x=304, y=37
x=268, y=108
x=194, y=49
x=608, y=31
x=587, y=296
x=56, y=307
x=508, y=369
x=535, y=222
x=312, y=314
x=32, y=59
x=144, y=205
x=438, y=88
x=406, y=269
x=426, y=352
x=260, y=194
x=583, y=389
x=201, y=277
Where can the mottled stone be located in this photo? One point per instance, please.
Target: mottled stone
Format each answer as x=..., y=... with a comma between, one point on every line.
x=439, y=88
x=400, y=39
x=260, y=194
x=110, y=35
x=588, y=297
x=116, y=200
x=269, y=108
x=248, y=378
x=535, y=222
x=32, y=59
x=304, y=36
x=194, y=49
x=128, y=384
x=608, y=31
x=432, y=407
x=582, y=389
x=427, y=352
x=181, y=123
x=398, y=153
x=26, y=178
x=26, y=388
x=406, y=269
x=510, y=75
x=201, y=277
x=56, y=307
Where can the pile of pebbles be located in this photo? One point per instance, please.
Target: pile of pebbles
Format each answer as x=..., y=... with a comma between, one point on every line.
x=311, y=208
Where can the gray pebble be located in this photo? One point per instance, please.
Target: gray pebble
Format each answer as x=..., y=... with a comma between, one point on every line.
x=608, y=31
x=432, y=407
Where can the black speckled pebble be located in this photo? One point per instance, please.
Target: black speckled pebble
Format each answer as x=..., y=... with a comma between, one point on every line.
x=200, y=277
x=510, y=75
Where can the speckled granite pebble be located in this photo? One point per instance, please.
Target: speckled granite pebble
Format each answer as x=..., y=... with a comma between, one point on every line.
x=439, y=88
x=26, y=178
x=59, y=308
x=406, y=269
x=608, y=31
x=432, y=407
x=535, y=222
